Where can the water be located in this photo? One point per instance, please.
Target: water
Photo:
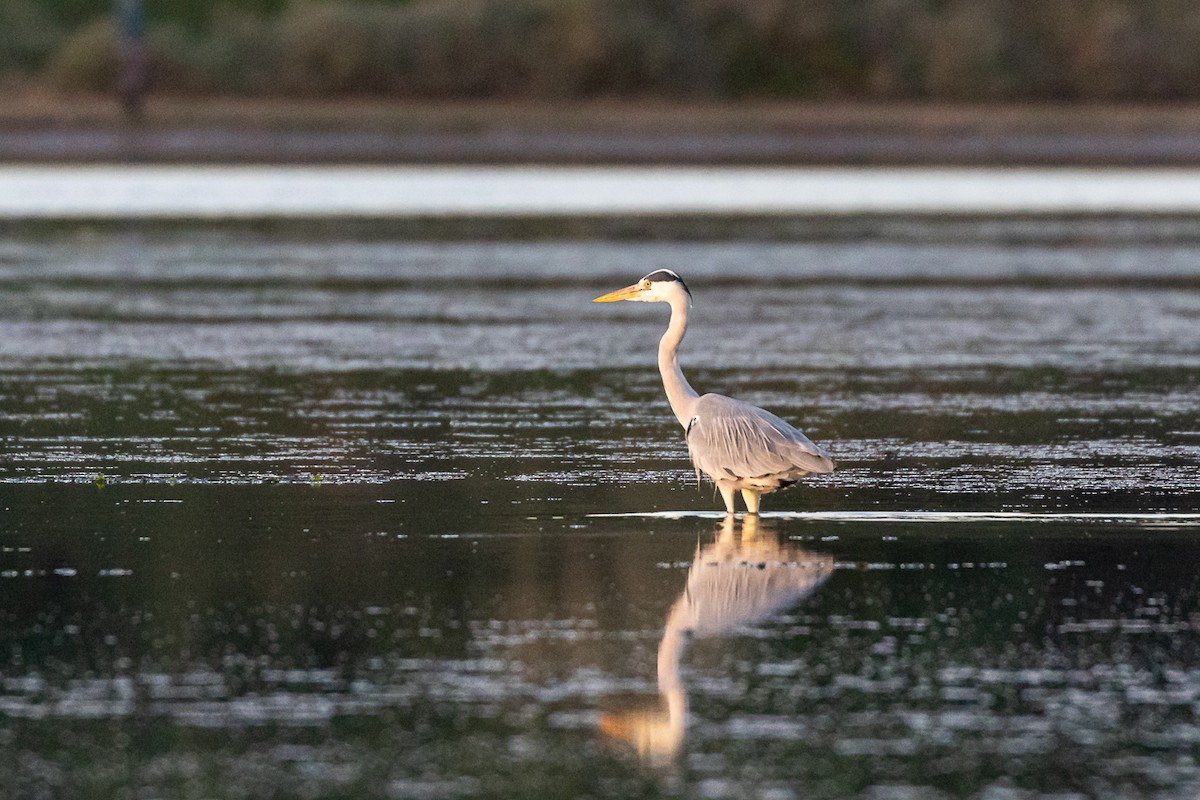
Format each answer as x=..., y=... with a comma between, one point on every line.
x=256, y=192
x=288, y=513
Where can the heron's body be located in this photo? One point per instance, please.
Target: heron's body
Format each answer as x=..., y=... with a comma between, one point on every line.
x=739, y=446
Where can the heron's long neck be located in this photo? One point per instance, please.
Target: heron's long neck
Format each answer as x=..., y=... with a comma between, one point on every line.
x=680, y=394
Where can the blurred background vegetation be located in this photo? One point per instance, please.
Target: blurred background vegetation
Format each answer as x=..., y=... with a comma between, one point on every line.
x=1054, y=50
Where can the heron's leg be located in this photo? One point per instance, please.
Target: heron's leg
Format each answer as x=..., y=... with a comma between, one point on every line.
x=751, y=498
x=727, y=496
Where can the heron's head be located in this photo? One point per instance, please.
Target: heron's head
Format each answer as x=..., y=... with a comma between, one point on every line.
x=660, y=286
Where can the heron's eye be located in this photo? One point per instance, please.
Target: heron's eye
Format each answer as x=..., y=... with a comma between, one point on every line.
x=645, y=284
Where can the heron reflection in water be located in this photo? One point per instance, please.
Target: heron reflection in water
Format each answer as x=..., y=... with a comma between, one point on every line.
x=733, y=583
x=739, y=446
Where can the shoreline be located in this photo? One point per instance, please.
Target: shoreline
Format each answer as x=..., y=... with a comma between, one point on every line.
x=39, y=128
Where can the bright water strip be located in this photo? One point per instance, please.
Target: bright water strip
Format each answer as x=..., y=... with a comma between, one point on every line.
x=233, y=192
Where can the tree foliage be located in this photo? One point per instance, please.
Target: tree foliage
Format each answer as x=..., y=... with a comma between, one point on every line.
x=881, y=49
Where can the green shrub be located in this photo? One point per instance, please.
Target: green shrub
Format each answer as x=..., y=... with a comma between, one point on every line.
x=89, y=60
x=937, y=49
x=28, y=35
x=239, y=56
x=333, y=47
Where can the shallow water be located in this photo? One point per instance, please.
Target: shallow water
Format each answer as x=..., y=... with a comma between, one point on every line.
x=255, y=191
x=301, y=516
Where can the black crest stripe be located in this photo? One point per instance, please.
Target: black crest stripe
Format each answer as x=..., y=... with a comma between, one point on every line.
x=667, y=275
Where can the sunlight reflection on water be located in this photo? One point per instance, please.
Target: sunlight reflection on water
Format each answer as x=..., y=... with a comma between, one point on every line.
x=230, y=192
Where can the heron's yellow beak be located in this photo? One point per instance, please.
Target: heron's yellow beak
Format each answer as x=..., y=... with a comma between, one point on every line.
x=619, y=294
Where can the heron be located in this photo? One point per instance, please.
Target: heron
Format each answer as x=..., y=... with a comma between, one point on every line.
x=739, y=446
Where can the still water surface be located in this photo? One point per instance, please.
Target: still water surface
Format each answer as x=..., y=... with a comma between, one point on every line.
x=225, y=192
x=309, y=516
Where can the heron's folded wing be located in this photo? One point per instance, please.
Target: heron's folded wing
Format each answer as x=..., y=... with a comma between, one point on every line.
x=731, y=439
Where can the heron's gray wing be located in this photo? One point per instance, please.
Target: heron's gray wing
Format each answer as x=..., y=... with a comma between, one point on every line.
x=729, y=439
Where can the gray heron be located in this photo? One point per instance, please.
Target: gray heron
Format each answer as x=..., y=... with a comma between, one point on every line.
x=738, y=445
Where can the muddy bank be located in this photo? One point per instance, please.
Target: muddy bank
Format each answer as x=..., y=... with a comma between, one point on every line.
x=54, y=129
